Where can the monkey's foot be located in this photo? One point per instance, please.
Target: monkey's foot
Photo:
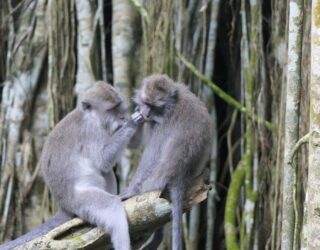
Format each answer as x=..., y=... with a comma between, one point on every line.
x=126, y=195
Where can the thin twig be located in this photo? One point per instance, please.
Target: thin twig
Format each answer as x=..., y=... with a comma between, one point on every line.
x=143, y=12
x=303, y=140
x=299, y=143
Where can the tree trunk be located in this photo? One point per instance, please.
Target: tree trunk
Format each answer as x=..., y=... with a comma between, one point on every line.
x=289, y=234
x=312, y=203
x=27, y=46
x=123, y=17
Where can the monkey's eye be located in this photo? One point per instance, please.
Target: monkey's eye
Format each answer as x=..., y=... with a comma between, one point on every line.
x=114, y=107
x=157, y=109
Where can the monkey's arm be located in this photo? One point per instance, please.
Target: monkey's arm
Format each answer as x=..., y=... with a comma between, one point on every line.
x=137, y=139
x=145, y=214
x=135, y=185
x=119, y=141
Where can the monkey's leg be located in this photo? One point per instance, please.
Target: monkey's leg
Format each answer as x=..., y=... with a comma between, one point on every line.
x=137, y=139
x=135, y=187
x=106, y=211
x=119, y=141
x=145, y=181
x=128, y=194
x=142, y=184
x=111, y=182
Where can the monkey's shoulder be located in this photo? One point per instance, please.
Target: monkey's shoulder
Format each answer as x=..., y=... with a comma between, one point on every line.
x=190, y=110
x=65, y=130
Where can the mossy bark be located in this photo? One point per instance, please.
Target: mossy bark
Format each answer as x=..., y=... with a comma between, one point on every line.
x=293, y=90
x=312, y=203
x=27, y=45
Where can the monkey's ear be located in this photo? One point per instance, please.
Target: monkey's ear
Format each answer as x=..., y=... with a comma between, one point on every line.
x=86, y=105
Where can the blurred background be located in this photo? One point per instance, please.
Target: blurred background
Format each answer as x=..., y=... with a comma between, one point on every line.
x=249, y=61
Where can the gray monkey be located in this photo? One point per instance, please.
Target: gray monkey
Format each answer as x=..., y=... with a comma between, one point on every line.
x=77, y=164
x=177, y=148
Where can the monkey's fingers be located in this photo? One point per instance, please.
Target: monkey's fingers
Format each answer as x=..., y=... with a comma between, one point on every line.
x=137, y=117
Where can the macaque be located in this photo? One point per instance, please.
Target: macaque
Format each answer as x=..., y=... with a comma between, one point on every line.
x=77, y=164
x=177, y=148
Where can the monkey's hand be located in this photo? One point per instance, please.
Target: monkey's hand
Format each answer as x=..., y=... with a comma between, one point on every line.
x=137, y=117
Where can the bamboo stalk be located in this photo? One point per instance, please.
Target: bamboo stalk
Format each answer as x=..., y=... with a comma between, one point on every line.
x=250, y=44
x=210, y=101
x=123, y=41
x=102, y=33
x=230, y=215
x=85, y=36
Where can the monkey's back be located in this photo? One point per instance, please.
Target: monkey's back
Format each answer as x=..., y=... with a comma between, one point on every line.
x=56, y=154
x=193, y=131
x=184, y=140
x=60, y=155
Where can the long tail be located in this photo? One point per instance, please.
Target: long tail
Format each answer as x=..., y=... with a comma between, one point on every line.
x=156, y=240
x=176, y=196
x=59, y=218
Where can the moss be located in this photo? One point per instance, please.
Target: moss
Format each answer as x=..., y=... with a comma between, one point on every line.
x=231, y=205
x=77, y=238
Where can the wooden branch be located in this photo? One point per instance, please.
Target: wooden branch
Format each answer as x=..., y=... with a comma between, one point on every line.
x=145, y=213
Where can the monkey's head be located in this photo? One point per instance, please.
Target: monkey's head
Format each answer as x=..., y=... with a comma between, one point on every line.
x=102, y=104
x=156, y=97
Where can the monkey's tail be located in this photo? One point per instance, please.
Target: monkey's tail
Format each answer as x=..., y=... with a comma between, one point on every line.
x=59, y=218
x=176, y=196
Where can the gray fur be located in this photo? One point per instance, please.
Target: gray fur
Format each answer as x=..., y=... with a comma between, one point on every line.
x=78, y=157
x=178, y=146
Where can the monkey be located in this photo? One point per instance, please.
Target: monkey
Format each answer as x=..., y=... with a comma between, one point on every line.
x=77, y=164
x=177, y=148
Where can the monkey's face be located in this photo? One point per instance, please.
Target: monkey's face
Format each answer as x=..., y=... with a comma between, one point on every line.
x=103, y=105
x=156, y=97
x=114, y=117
